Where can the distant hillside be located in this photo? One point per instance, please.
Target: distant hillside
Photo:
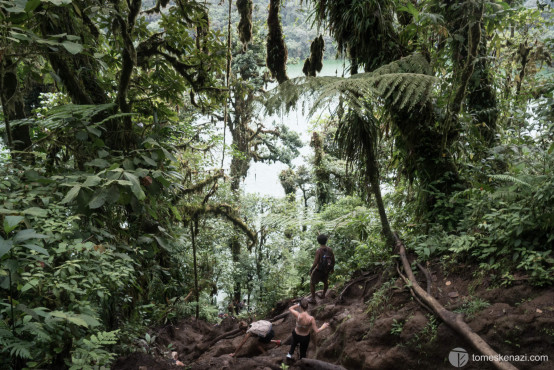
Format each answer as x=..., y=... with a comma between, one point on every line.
x=297, y=28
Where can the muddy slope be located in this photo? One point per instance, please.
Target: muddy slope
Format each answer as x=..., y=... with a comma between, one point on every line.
x=376, y=324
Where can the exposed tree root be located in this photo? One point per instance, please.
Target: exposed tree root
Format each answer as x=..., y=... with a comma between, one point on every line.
x=201, y=348
x=455, y=321
x=364, y=278
x=280, y=316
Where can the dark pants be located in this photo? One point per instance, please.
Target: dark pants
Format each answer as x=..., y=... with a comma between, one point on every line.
x=317, y=277
x=303, y=340
x=268, y=337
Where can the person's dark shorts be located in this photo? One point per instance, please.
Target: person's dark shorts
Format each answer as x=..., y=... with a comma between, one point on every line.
x=267, y=339
x=319, y=277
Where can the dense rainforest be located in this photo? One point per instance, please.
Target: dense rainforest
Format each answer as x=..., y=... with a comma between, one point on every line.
x=128, y=128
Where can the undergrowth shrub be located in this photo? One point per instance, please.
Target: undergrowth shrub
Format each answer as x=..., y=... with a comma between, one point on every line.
x=507, y=226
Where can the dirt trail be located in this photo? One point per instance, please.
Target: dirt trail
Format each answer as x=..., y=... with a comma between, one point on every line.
x=377, y=325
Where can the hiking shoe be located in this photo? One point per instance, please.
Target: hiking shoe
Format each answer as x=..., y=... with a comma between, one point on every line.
x=289, y=356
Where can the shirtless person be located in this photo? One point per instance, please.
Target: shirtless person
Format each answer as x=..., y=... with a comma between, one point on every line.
x=304, y=324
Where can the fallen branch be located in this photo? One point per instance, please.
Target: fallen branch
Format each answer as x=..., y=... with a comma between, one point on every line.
x=409, y=285
x=308, y=363
x=455, y=321
x=427, y=276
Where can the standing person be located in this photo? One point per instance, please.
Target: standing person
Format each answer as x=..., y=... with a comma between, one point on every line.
x=262, y=329
x=236, y=305
x=301, y=332
x=324, y=264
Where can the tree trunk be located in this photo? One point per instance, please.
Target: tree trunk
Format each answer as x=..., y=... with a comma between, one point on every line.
x=13, y=107
x=193, y=233
x=373, y=171
x=322, y=176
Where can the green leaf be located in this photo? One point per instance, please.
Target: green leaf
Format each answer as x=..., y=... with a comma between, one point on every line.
x=77, y=321
x=176, y=213
x=128, y=164
x=29, y=285
x=113, y=194
x=98, y=200
x=168, y=155
x=135, y=186
x=149, y=161
x=72, y=47
x=27, y=234
x=36, y=248
x=60, y=2
x=18, y=7
x=81, y=136
x=92, y=181
x=71, y=194
x=5, y=246
x=162, y=243
x=98, y=162
x=93, y=130
x=89, y=320
x=31, y=5
x=36, y=211
x=11, y=222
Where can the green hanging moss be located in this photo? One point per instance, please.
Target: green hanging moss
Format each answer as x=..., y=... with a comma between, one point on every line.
x=245, y=24
x=276, y=49
x=314, y=63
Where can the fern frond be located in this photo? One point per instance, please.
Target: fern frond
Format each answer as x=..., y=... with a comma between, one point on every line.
x=404, y=83
x=508, y=178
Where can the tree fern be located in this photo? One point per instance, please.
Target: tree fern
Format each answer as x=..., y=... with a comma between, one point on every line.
x=403, y=83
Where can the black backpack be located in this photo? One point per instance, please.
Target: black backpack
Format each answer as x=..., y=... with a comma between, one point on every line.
x=325, y=263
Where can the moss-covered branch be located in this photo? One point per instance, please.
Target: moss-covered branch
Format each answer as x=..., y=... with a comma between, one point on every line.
x=225, y=210
x=198, y=187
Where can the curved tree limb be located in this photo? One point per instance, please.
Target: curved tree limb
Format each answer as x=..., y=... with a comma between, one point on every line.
x=198, y=187
x=455, y=321
x=226, y=210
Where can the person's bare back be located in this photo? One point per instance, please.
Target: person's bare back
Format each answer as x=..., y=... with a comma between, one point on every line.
x=304, y=323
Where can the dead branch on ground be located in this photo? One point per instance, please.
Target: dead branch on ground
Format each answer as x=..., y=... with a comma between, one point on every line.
x=454, y=320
